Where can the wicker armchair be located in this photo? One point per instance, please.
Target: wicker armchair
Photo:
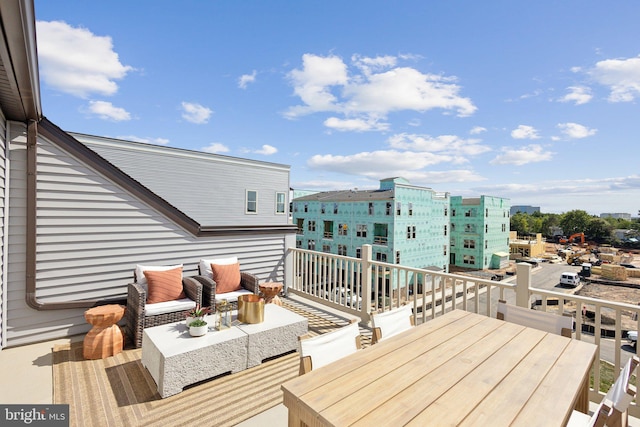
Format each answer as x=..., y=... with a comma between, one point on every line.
x=248, y=282
x=136, y=301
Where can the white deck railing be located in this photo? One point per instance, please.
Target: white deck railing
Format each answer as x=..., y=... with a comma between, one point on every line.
x=360, y=286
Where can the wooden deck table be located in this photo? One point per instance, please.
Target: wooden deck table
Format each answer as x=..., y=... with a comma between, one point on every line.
x=458, y=369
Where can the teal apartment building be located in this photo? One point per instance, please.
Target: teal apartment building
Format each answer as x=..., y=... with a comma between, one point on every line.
x=479, y=232
x=405, y=224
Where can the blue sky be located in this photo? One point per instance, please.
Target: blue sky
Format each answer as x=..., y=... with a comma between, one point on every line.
x=533, y=101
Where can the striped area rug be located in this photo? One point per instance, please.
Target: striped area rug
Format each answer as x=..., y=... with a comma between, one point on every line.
x=118, y=391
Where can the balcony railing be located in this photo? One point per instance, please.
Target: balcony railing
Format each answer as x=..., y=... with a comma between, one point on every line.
x=360, y=286
x=380, y=240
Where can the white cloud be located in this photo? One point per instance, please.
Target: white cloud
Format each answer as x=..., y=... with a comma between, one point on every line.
x=267, y=150
x=374, y=88
x=156, y=141
x=525, y=132
x=355, y=125
x=452, y=145
x=245, y=79
x=73, y=60
x=621, y=76
x=477, y=130
x=195, y=113
x=575, y=130
x=106, y=111
x=528, y=154
x=578, y=95
x=216, y=147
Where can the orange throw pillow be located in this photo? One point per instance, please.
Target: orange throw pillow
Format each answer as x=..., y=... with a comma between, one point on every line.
x=164, y=285
x=227, y=277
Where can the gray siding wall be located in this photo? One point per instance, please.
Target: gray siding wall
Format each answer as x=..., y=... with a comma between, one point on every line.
x=217, y=200
x=90, y=235
x=3, y=224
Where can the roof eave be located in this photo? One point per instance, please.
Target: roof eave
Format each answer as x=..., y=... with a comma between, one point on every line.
x=19, y=56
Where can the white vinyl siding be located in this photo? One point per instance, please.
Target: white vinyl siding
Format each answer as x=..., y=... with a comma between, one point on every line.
x=3, y=224
x=90, y=235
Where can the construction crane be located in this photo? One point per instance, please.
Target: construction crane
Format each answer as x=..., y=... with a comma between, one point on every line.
x=572, y=237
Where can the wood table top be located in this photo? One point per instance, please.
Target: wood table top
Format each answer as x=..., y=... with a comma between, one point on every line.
x=458, y=369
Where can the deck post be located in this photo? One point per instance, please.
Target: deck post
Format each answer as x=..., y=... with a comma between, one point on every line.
x=523, y=283
x=367, y=252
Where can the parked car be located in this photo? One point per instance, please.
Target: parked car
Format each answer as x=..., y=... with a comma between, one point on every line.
x=570, y=278
x=632, y=336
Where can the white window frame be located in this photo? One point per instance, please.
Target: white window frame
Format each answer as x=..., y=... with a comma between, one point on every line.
x=248, y=211
x=282, y=203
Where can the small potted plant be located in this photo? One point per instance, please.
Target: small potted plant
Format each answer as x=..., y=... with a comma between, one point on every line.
x=196, y=313
x=197, y=328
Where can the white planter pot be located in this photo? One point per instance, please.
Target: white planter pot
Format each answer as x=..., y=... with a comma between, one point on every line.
x=198, y=331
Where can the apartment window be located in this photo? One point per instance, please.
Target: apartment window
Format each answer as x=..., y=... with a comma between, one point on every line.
x=252, y=201
x=328, y=229
x=323, y=208
x=453, y=212
x=446, y=211
x=444, y=250
x=370, y=208
x=361, y=230
x=381, y=257
x=387, y=210
x=299, y=244
x=342, y=229
x=280, y=203
x=380, y=234
x=410, y=209
x=295, y=207
x=300, y=225
x=326, y=248
x=311, y=226
x=486, y=244
x=335, y=208
x=399, y=208
x=342, y=250
x=469, y=228
x=397, y=257
x=411, y=232
x=486, y=212
x=469, y=259
x=453, y=228
x=504, y=227
x=469, y=244
x=358, y=252
x=452, y=242
x=445, y=229
x=306, y=207
x=311, y=245
x=486, y=228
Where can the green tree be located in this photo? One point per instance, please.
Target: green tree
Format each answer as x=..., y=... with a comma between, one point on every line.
x=599, y=230
x=550, y=221
x=575, y=221
x=520, y=223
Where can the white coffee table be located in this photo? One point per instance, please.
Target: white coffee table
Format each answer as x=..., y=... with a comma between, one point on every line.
x=278, y=334
x=175, y=359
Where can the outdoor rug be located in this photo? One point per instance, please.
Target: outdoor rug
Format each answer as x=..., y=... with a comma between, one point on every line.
x=118, y=390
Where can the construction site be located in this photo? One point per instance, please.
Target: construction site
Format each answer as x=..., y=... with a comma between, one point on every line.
x=607, y=272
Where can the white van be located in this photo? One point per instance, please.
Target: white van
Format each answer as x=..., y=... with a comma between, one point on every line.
x=570, y=279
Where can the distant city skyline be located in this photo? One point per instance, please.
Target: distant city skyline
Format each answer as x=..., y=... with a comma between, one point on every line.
x=535, y=102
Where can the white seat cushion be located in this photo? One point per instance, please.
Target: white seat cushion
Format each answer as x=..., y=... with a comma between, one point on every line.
x=184, y=304
x=232, y=296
